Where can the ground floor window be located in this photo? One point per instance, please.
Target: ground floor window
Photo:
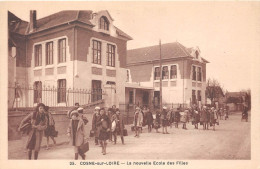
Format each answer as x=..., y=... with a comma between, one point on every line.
x=131, y=97
x=37, y=91
x=61, y=90
x=96, y=90
x=194, y=101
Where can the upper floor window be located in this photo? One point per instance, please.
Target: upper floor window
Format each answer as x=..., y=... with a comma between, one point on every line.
x=38, y=55
x=199, y=74
x=157, y=73
x=111, y=55
x=61, y=90
x=103, y=23
x=62, y=50
x=194, y=73
x=96, y=48
x=49, y=53
x=165, y=72
x=173, y=72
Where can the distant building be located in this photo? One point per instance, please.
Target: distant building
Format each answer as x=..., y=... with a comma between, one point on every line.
x=183, y=73
x=66, y=50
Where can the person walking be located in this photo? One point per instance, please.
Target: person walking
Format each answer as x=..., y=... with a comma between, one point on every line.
x=184, y=118
x=76, y=132
x=50, y=131
x=76, y=106
x=213, y=117
x=164, y=120
x=138, y=121
x=38, y=121
x=104, y=130
x=95, y=123
x=196, y=118
x=203, y=117
x=157, y=121
x=177, y=117
x=149, y=120
x=117, y=118
x=110, y=115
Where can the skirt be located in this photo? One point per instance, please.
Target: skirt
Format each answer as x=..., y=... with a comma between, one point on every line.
x=103, y=135
x=164, y=122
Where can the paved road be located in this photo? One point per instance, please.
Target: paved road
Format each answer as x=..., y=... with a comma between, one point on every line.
x=231, y=140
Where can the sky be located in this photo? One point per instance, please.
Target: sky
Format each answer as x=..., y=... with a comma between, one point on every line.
x=227, y=33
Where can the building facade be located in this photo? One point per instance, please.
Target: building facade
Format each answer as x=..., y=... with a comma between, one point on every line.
x=71, y=50
x=183, y=73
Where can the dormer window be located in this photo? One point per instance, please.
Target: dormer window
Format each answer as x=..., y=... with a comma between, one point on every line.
x=197, y=54
x=103, y=23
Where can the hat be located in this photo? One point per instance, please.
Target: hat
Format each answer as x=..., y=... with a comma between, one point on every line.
x=97, y=108
x=164, y=107
x=80, y=110
x=137, y=108
x=73, y=112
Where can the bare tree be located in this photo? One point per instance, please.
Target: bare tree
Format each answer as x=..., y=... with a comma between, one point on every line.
x=214, y=90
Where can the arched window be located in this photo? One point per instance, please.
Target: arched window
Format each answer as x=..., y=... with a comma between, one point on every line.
x=103, y=23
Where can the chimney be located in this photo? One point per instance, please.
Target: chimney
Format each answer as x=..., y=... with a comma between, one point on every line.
x=32, y=20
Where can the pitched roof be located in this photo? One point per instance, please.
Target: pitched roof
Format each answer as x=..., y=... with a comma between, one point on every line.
x=64, y=17
x=169, y=50
x=16, y=25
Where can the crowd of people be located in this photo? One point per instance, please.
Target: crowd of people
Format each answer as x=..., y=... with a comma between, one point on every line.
x=108, y=124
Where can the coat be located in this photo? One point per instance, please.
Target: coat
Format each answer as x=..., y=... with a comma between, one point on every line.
x=203, y=116
x=119, y=123
x=105, y=125
x=95, y=124
x=196, y=118
x=176, y=116
x=213, y=116
x=80, y=132
x=138, y=119
x=184, y=117
x=149, y=118
x=38, y=130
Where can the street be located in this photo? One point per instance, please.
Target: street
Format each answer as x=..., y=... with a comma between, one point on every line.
x=231, y=140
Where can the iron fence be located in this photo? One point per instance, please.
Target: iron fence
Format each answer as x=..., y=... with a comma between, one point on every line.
x=28, y=96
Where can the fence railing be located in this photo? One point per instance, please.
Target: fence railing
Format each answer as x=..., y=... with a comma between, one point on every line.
x=29, y=96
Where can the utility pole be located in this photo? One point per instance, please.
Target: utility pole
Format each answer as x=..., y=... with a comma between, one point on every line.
x=160, y=76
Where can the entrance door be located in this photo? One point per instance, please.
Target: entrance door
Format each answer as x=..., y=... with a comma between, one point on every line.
x=145, y=98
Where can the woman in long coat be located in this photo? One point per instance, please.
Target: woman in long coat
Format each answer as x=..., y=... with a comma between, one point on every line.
x=50, y=130
x=213, y=117
x=204, y=117
x=138, y=121
x=196, y=118
x=149, y=120
x=38, y=122
x=105, y=124
x=117, y=118
x=177, y=117
x=76, y=132
x=157, y=121
x=95, y=123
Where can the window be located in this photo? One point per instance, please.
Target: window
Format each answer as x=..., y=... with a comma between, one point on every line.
x=38, y=55
x=62, y=50
x=165, y=72
x=103, y=23
x=111, y=55
x=197, y=54
x=199, y=95
x=157, y=73
x=127, y=76
x=96, y=52
x=193, y=72
x=199, y=74
x=96, y=90
x=61, y=90
x=49, y=53
x=194, y=97
x=173, y=72
x=37, y=91
x=131, y=96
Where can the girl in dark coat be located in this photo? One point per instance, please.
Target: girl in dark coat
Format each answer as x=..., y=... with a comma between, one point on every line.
x=118, y=120
x=104, y=130
x=149, y=120
x=157, y=121
x=177, y=117
x=39, y=124
x=95, y=123
x=164, y=120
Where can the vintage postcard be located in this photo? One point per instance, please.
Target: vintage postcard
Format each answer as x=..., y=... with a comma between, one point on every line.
x=130, y=84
